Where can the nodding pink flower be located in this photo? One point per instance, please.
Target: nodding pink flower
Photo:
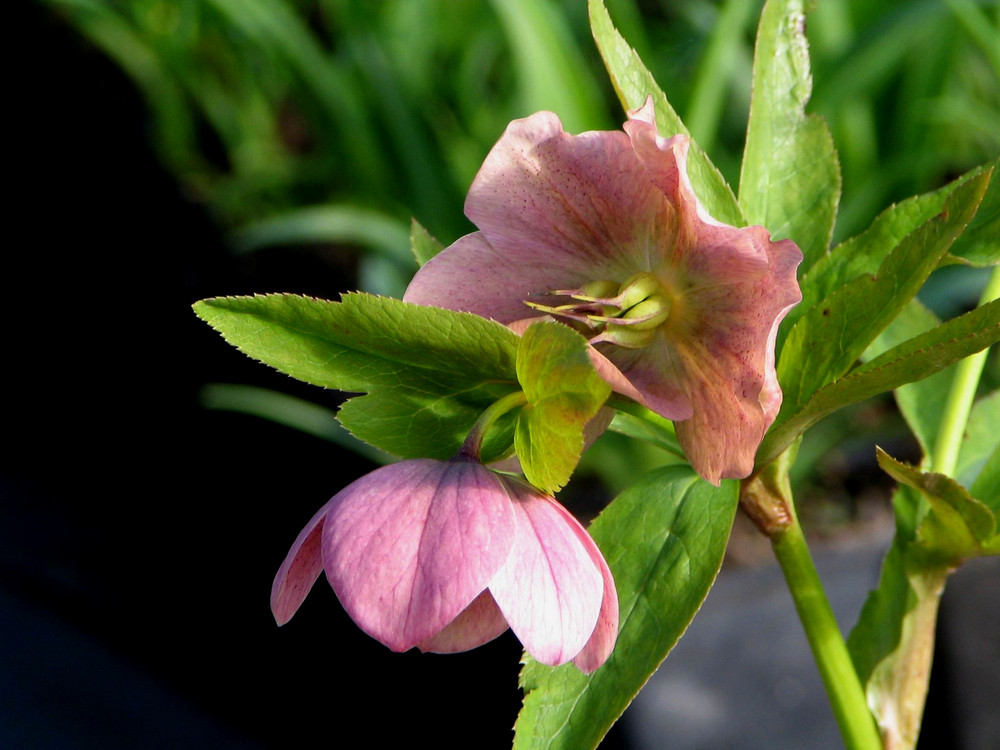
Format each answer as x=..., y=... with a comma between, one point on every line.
x=603, y=231
x=445, y=555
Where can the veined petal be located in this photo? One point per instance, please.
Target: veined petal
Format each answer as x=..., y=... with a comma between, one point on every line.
x=550, y=590
x=580, y=203
x=602, y=640
x=479, y=623
x=408, y=547
x=300, y=569
x=728, y=363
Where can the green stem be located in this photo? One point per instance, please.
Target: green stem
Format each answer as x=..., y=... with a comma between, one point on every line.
x=963, y=392
x=847, y=696
x=474, y=442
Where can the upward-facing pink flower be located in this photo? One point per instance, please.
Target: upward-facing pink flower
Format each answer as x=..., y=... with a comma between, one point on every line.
x=604, y=231
x=444, y=555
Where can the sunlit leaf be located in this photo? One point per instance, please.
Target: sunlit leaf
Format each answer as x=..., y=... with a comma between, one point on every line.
x=664, y=539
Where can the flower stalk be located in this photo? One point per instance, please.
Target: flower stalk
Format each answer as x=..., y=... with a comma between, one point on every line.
x=473, y=444
x=767, y=499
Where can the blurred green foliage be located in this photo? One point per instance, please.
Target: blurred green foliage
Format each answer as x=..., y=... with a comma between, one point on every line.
x=333, y=122
x=260, y=107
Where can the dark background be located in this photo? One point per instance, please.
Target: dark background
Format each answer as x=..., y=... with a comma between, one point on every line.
x=139, y=532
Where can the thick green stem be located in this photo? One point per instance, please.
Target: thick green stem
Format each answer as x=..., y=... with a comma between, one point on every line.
x=963, y=392
x=847, y=696
x=767, y=499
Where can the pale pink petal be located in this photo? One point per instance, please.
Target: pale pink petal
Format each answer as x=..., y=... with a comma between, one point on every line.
x=300, y=569
x=602, y=640
x=550, y=590
x=409, y=546
x=479, y=623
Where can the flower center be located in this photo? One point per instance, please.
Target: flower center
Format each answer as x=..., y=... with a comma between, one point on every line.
x=625, y=314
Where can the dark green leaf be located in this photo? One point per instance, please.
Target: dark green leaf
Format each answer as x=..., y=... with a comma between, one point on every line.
x=429, y=372
x=829, y=338
x=564, y=392
x=910, y=361
x=633, y=82
x=979, y=245
x=790, y=179
x=864, y=253
x=664, y=539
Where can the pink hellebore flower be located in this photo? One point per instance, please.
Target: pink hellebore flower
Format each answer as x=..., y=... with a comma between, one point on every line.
x=445, y=555
x=603, y=231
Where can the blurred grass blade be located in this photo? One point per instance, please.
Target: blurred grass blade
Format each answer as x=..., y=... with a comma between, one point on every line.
x=286, y=410
x=344, y=225
x=552, y=73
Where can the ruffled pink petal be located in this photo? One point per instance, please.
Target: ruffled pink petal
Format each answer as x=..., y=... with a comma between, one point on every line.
x=550, y=590
x=728, y=363
x=300, y=569
x=577, y=203
x=479, y=623
x=411, y=545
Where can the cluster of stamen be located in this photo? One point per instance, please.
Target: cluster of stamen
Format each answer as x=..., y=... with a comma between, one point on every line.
x=625, y=314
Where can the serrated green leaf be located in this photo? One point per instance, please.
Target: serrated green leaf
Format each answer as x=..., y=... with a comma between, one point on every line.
x=564, y=392
x=423, y=244
x=913, y=360
x=864, y=253
x=429, y=372
x=663, y=539
x=364, y=342
x=958, y=525
x=633, y=83
x=829, y=338
x=790, y=178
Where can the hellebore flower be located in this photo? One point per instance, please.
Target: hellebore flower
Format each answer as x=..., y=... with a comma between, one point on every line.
x=445, y=555
x=603, y=231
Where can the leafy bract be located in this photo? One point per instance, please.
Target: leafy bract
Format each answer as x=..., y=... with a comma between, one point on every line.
x=939, y=524
x=564, y=392
x=664, y=539
x=790, y=178
x=633, y=83
x=910, y=361
x=428, y=372
x=957, y=527
x=826, y=341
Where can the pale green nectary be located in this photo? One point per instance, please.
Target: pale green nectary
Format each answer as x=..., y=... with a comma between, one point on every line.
x=445, y=555
x=603, y=231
